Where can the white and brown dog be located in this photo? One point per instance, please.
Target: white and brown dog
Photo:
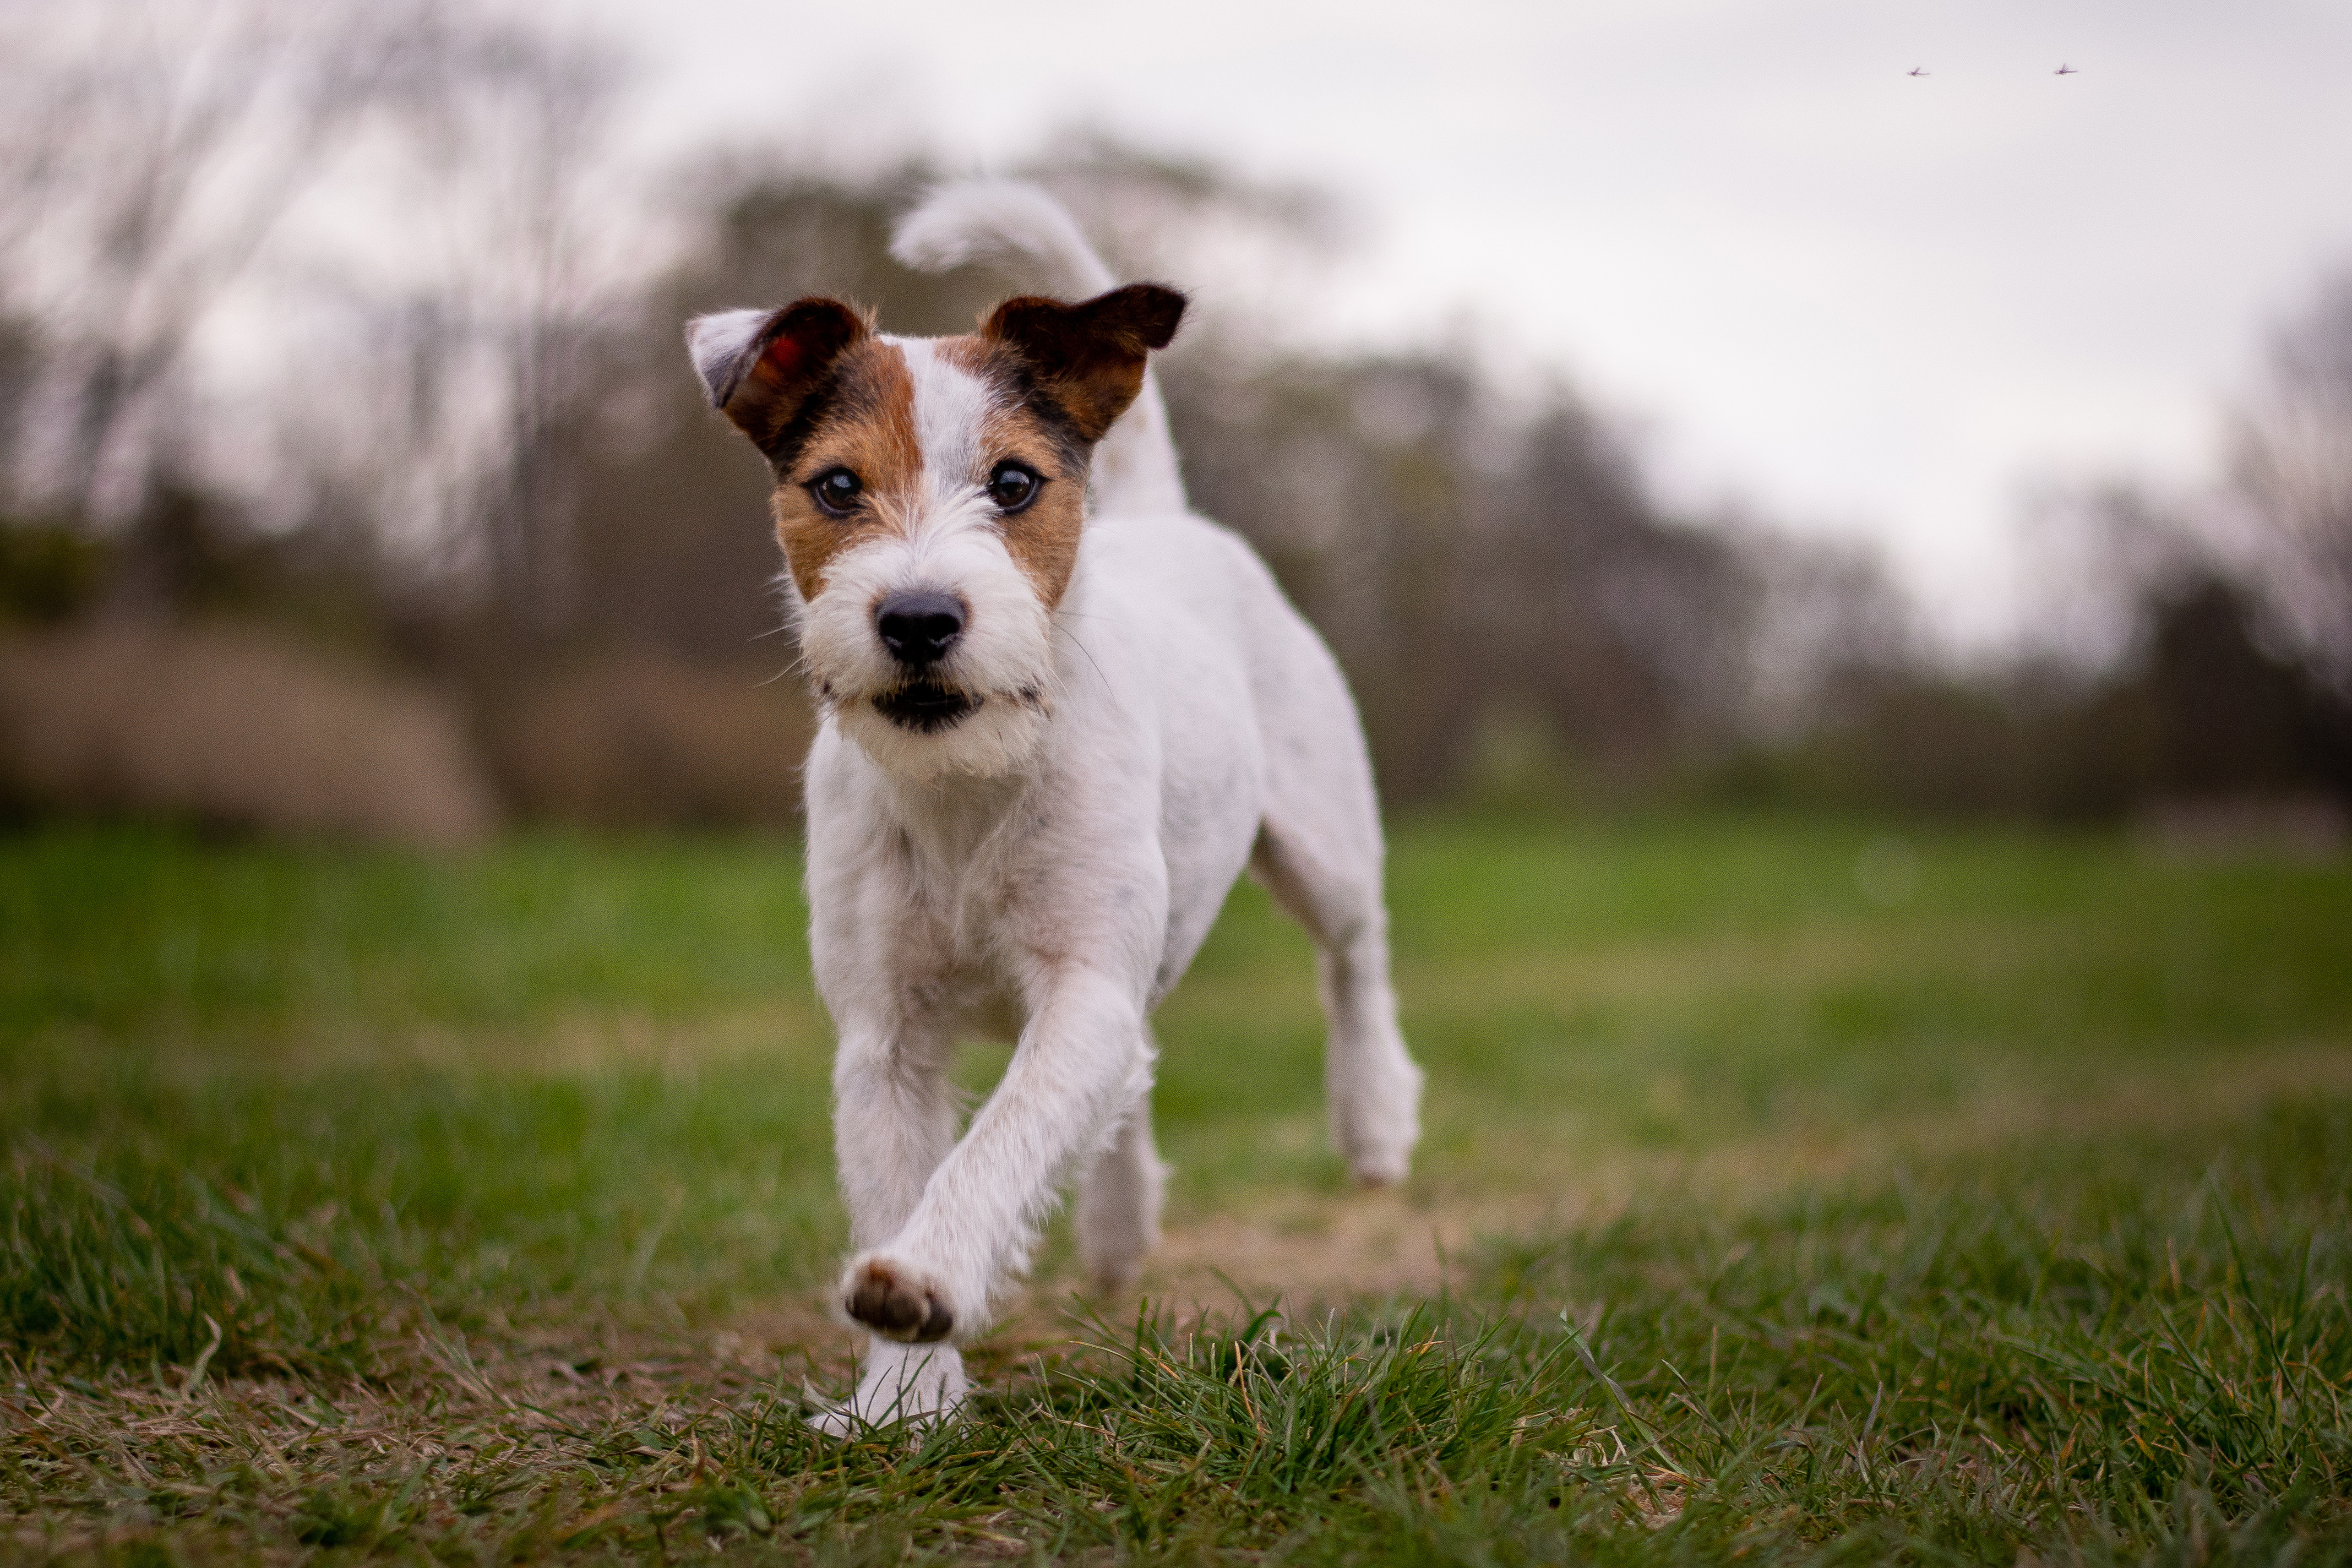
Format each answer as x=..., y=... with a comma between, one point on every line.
x=1051, y=742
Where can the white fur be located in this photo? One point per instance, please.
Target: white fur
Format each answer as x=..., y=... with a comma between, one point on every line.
x=720, y=344
x=899, y=1382
x=1051, y=880
x=950, y=403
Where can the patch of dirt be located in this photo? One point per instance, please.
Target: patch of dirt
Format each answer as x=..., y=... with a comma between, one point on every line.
x=1374, y=1242
x=1313, y=1249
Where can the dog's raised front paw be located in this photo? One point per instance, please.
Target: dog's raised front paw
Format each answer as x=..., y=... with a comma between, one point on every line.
x=897, y=1301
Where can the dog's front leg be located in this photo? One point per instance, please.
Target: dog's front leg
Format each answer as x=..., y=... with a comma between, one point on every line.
x=1082, y=1062
x=894, y=1121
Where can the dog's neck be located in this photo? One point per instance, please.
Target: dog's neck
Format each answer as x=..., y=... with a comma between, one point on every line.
x=953, y=819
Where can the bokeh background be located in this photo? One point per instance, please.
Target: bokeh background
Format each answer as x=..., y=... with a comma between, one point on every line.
x=1652, y=405
x=1841, y=536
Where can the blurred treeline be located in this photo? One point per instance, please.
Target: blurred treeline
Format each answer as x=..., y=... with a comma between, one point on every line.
x=354, y=478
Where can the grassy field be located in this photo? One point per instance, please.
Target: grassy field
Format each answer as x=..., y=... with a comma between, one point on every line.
x=1789, y=1194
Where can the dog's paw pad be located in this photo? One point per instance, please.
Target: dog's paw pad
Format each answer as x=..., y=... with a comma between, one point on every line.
x=896, y=1303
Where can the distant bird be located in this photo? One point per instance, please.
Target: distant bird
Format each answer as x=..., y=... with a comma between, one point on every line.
x=2065, y=70
x=1916, y=71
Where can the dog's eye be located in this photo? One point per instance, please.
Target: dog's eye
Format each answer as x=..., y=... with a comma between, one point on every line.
x=836, y=491
x=1014, y=486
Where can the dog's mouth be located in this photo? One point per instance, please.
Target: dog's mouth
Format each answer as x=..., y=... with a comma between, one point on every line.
x=925, y=707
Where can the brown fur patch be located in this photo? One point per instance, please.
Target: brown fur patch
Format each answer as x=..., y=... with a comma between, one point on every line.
x=868, y=426
x=1088, y=358
x=1042, y=539
x=864, y=421
x=790, y=375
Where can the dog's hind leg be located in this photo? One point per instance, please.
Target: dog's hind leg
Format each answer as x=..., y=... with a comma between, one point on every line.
x=1117, y=1217
x=1324, y=870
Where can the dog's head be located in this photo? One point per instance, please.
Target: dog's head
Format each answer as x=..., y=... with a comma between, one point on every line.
x=930, y=495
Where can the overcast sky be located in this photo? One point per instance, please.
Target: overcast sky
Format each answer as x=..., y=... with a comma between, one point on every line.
x=1860, y=299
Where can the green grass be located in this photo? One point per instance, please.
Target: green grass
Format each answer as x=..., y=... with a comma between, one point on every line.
x=357, y=1203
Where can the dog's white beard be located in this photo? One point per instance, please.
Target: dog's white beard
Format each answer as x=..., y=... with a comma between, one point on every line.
x=1004, y=660
x=997, y=737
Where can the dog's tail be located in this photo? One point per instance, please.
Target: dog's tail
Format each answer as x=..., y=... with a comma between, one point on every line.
x=1017, y=226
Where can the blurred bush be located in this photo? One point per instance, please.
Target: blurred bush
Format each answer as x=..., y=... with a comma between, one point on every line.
x=648, y=738
x=234, y=727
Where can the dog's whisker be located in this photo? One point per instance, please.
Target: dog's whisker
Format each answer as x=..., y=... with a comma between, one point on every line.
x=1079, y=643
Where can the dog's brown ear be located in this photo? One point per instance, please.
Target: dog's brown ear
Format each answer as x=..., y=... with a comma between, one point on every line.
x=761, y=367
x=1089, y=357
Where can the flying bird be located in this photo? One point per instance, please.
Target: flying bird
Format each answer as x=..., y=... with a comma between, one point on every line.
x=2065, y=70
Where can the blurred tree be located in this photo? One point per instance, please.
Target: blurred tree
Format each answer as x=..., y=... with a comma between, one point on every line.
x=150, y=152
x=1828, y=627
x=1472, y=565
x=396, y=190
x=2172, y=688
x=2232, y=717
x=2291, y=468
x=1628, y=628
x=471, y=343
x=525, y=123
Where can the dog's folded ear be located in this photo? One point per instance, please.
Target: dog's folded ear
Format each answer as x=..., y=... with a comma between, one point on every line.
x=1089, y=357
x=761, y=367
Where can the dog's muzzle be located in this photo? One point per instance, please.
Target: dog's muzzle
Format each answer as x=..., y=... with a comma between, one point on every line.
x=924, y=706
x=918, y=629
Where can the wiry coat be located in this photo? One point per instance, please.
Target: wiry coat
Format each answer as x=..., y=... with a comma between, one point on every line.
x=1051, y=742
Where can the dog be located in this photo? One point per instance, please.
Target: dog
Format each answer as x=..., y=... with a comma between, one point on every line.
x=1052, y=737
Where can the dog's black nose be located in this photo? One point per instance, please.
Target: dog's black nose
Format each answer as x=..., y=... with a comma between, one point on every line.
x=920, y=628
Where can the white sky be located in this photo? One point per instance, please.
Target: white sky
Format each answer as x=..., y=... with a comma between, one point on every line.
x=1857, y=299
